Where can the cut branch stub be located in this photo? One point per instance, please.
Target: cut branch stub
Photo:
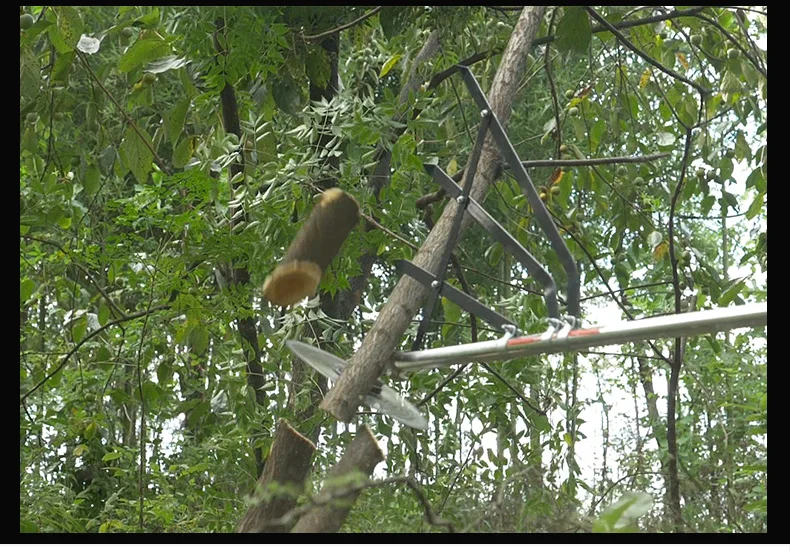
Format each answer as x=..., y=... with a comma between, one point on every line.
x=316, y=244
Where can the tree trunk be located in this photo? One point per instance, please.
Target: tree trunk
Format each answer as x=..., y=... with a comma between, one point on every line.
x=369, y=362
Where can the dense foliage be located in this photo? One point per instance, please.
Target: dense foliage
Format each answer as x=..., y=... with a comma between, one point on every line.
x=152, y=375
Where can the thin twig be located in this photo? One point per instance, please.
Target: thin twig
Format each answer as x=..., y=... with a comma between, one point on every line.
x=126, y=116
x=588, y=162
x=89, y=337
x=344, y=27
x=387, y=231
x=631, y=46
x=513, y=389
x=118, y=311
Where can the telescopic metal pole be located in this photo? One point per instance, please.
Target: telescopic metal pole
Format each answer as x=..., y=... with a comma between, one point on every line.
x=668, y=326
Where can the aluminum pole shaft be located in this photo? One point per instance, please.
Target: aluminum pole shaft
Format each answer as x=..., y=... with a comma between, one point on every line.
x=668, y=326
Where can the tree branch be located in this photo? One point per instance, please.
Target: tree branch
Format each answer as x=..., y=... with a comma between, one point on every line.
x=368, y=363
x=325, y=34
x=87, y=338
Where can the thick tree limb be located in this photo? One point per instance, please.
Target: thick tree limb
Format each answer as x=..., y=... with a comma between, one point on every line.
x=362, y=456
x=287, y=465
x=368, y=363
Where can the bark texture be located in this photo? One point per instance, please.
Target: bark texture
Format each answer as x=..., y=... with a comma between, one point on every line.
x=287, y=465
x=338, y=495
x=368, y=363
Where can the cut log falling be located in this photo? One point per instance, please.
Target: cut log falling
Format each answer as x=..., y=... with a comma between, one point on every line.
x=316, y=244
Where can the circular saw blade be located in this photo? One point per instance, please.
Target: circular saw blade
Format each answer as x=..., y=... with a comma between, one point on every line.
x=388, y=400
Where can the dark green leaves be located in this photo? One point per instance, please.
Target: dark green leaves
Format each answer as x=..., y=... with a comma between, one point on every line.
x=574, y=31
x=287, y=94
x=393, y=19
x=136, y=153
x=142, y=51
x=66, y=33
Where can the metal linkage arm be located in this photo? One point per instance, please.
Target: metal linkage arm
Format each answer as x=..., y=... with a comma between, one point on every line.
x=501, y=235
x=544, y=218
x=471, y=169
x=461, y=299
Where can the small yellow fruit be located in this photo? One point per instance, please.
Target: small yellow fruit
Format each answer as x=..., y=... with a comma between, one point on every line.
x=569, y=94
x=563, y=149
x=555, y=190
x=573, y=112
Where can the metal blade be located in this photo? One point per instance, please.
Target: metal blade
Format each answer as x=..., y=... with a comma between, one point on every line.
x=387, y=399
x=322, y=361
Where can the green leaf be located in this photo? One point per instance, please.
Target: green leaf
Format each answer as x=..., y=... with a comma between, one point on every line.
x=111, y=456
x=102, y=354
x=574, y=31
x=393, y=19
x=151, y=19
x=26, y=288
x=389, y=64
x=197, y=413
x=756, y=207
x=452, y=312
x=182, y=153
x=27, y=526
x=90, y=182
x=78, y=328
x=198, y=339
x=30, y=139
x=164, y=372
x=742, y=149
x=621, y=515
x=29, y=74
x=63, y=63
x=175, y=120
x=90, y=430
x=104, y=313
x=68, y=30
x=150, y=391
x=728, y=295
x=137, y=154
x=143, y=51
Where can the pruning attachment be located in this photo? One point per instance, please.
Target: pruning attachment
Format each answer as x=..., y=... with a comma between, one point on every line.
x=563, y=332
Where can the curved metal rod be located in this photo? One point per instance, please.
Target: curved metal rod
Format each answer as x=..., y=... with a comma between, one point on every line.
x=544, y=218
x=502, y=236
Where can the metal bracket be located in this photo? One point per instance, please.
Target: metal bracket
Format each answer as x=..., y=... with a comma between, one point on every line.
x=461, y=299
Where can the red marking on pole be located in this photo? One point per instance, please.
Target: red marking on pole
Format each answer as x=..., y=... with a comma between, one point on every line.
x=536, y=337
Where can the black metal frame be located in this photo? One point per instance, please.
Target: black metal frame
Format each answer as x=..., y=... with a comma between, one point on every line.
x=436, y=283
